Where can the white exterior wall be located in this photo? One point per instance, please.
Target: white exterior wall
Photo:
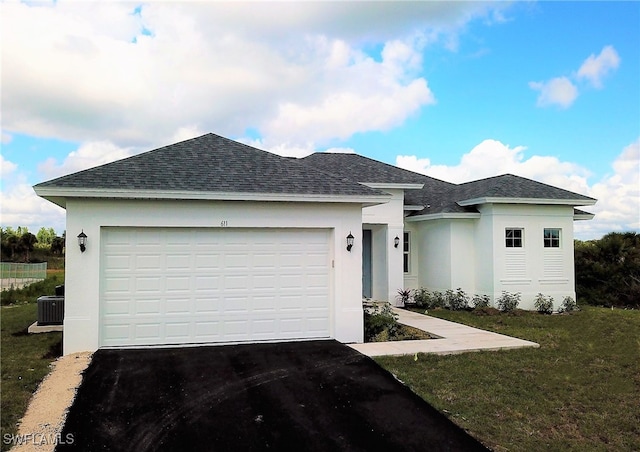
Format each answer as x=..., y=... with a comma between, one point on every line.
x=387, y=222
x=82, y=285
x=471, y=254
x=463, y=254
x=433, y=254
x=532, y=269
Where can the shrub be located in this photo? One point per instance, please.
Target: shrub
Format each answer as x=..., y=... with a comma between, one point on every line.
x=457, y=300
x=429, y=300
x=404, y=295
x=379, y=319
x=438, y=300
x=481, y=301
x=568, y=305
x=508, y=301
x=421, y=297
x=544, y=305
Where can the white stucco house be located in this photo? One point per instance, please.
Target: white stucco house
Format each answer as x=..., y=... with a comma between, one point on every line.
x=212, y=241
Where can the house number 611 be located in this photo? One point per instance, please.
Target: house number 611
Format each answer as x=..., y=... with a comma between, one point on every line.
x=224, y=223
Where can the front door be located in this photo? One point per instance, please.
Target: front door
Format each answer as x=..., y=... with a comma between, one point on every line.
x=366, y=263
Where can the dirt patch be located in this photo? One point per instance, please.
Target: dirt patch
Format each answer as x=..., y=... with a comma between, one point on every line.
x=40, y=428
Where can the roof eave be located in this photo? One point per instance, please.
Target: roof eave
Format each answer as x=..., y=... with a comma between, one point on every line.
x=399, y=186
x=583, y=216
x=444, y=216
x=59, y=196
x=545, y=201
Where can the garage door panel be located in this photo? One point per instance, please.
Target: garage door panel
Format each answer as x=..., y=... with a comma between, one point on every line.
x=175, y=306
x=177, y=262
x=207, y=306
x=178, y=330
x=207, y=262
x=207, y=283
x=172, y=285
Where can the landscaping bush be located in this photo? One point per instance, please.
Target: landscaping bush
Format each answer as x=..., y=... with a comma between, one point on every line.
x=481, y=301
x=379, y=319
x=458, y=300
x=421, y=298
x=437, y=300
x=404, y=296
x=568, y=305
x=544, y=305
x=429, y=300
x=508, y=301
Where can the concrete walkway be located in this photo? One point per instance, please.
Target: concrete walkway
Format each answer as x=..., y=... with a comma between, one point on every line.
x=453, y=338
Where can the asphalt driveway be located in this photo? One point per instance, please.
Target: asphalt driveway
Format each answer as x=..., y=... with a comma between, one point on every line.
x=312, y=396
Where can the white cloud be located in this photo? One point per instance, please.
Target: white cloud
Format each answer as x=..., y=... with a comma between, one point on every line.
x=136, y=78
x=86, y=156
x=22, y=207
x=6, y=167
x=563, y=92
x=491, y=157
x=618, y=194
x=557, y=91
x=6, y=138
x=595, y=68
x=285, y=149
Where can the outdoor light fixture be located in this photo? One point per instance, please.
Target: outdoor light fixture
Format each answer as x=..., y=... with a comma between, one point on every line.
x=349, y=242
x=396, y=242
x=82, y=241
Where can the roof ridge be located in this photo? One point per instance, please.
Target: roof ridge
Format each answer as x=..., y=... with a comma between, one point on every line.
x=388, y=166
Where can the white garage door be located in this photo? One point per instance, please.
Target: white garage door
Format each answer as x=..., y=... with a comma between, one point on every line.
x=185, y=285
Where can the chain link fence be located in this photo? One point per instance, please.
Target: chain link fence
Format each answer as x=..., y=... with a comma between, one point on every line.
x=17, y=276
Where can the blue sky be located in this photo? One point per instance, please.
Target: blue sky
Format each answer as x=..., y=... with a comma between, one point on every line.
x=456, y=90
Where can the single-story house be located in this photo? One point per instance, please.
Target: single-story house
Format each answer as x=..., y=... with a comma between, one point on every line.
x=213, y=241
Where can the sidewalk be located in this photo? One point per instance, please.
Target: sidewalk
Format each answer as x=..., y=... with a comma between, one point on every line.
x=453, y=338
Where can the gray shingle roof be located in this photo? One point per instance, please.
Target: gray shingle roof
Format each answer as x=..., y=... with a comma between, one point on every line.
x=363, y=169
x=440, y=196
x=211, y=163
x=506, y=186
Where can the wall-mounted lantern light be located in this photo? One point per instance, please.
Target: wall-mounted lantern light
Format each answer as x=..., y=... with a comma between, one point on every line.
x=82, y=241
x=349, y=242
x=396, y=242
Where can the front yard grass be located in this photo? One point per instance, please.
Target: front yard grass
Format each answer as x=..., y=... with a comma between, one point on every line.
x=579, y=391
x=24, y=362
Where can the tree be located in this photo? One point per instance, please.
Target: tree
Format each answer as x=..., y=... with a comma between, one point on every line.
x=608, y=270
x=45, y=236
x=57, y=245
x=26, y=244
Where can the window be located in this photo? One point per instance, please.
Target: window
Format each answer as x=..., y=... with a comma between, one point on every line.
x=406, y=251
x=513, y=237
x=551, y=238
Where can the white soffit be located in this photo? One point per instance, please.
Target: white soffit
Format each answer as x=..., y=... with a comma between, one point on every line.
x=59, y=196
x=540, y=201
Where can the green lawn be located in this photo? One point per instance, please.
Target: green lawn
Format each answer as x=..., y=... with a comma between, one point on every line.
x=24, y=361
x=579, y=391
